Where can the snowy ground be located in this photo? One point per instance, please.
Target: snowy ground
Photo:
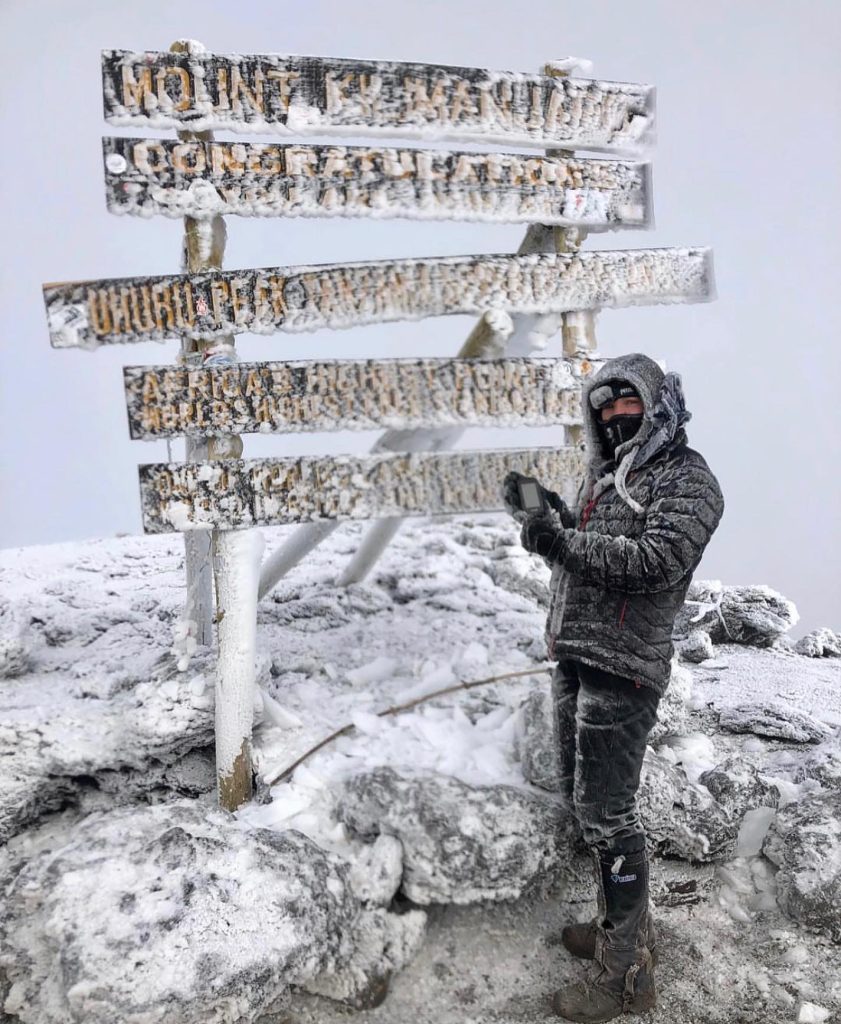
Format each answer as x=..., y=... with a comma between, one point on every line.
x=97, y=715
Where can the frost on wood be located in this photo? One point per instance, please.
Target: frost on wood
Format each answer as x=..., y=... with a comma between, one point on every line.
x=324, y=95
x=362, y=394
x=202, y=179
x=263, y=492
x=217, y=303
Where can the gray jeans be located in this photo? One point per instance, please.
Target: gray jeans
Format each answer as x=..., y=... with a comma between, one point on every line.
x=604, y=721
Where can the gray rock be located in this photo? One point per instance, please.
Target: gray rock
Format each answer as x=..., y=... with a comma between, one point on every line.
x=803, y=841
x=696, y=647
x=776, y=720
x=681, y=818
x=16, y=640
x=516, y=571
x=754, y=615
x=376, y=874
x=538, y=739
x=215, y=921
x=461, y=843
x=739, y=787
x=673, y=709
x=820, y=643
x=822, y=765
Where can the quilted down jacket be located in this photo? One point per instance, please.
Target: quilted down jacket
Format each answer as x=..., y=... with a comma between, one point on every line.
x=626, y=551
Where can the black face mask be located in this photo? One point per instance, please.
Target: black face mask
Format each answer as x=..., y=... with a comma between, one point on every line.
x=617, y=430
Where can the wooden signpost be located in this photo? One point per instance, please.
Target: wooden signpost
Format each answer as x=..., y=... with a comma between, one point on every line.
x=156, y=176
x=86, y=314
x=216, y=497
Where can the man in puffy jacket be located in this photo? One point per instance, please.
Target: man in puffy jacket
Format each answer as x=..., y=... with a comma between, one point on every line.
x=621, y=563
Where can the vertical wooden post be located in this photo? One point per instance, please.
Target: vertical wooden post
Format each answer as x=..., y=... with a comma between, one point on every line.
x=203, y=248
x=237, y=555
x=578, y=328
x=234, y=556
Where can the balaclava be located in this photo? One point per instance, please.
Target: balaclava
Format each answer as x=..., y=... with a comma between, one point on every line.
x=662, y=426
x=620, y=427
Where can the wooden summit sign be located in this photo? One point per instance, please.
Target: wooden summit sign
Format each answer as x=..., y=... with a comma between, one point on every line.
x=202, y=179
x=232, y=494
x=318, y=95
x=90, y=313
x=361, y=394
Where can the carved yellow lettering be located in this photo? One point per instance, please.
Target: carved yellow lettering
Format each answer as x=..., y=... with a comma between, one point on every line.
x=189, y=158
x=135, y=93
x=149, y=157
x=184, y=90
x=284, y=87
x=142, y=320
x=98, y=312
x=240, y=90
x=219, y=298
x=335, y=89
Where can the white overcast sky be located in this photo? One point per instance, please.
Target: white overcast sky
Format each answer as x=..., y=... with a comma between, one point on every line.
x=747, y=162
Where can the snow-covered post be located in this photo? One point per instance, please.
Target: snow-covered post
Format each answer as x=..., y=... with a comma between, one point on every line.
x=203, y=248
x=578, y=328
x=237, y=556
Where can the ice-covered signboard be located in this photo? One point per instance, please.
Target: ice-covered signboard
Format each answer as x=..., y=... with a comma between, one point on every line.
x=320, y=95
x=264, y=492
x=90, y=313
x=353, y=394
x=250, y=179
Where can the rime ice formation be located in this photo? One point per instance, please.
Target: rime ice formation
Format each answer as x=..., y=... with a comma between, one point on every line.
x=441, y=828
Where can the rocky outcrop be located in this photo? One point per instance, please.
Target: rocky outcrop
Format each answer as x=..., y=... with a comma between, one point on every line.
x=755, y=615
x=16, y=639
x=215, y=921
x=461, y=843
x=820, y=643
x=803, y=841
x=776, y=720
x=696, y=647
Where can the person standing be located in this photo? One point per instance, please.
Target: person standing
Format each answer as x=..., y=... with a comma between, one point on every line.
x=622, y=561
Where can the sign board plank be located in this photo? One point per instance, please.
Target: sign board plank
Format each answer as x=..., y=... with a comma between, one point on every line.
x=216, y=303
x=264, y=492
x=271, y=93
x=202, y=179
x=360, y=394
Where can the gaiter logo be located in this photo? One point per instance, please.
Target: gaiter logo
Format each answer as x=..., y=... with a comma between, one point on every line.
x=623, y=878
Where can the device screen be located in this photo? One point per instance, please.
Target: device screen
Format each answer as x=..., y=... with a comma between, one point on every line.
x=530, y=494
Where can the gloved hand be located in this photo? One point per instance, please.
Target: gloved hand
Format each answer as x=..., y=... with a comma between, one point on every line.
x=511, y=497
x=541, y=535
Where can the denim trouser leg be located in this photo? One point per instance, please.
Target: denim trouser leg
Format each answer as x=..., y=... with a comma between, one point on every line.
x=603, y=723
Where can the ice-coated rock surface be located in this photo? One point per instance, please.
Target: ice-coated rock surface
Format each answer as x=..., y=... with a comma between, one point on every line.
x=696, y=647
x=16, y=640
x=776, y=720
x=682, y=818
x=214, y=920
x=820, y=643
x=755, y=615
x=739, y=787
x=804, y=842
x=461, y=843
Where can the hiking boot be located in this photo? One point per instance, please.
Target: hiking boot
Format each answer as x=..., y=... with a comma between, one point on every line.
x=622, y=978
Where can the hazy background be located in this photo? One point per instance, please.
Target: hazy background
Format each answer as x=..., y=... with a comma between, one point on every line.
x=747, y=162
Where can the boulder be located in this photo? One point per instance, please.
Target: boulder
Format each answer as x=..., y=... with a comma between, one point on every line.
x=696, y=647
x=803, y=841
x=673, y=707
x=775, y=719
x=681, y=818
x=16, y=640
x=461, y=843
x=739, y=787
x=820, y=643
x=754, y=615
x=214, y=922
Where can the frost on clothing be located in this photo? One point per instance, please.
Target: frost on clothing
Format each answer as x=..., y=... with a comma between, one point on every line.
x=643, y=520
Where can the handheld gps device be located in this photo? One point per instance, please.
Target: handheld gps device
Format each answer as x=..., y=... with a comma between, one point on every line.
x=531, y=494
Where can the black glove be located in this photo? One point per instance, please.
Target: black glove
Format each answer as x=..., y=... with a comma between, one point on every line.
x=542, y=537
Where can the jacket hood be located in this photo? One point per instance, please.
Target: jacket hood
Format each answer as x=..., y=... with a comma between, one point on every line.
x=664, y=413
